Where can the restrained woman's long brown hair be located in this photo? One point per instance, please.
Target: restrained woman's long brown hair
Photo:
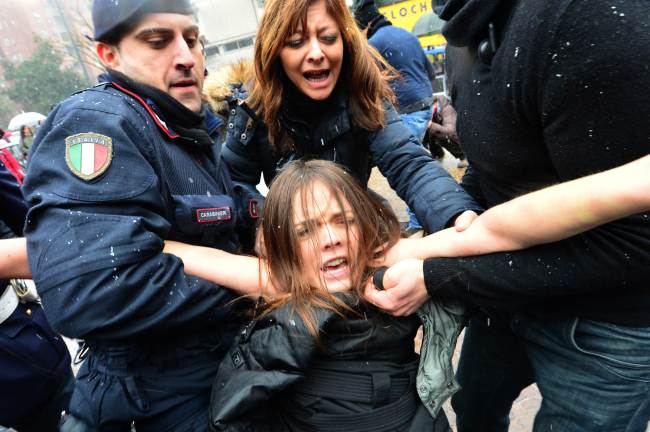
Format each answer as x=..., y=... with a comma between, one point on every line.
x=377, y=228
x=367, y=85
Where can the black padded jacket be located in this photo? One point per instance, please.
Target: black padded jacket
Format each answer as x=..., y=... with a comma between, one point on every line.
x=360, y=375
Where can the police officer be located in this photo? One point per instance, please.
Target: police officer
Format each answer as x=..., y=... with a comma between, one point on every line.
x=35, y=374
x=114, y=171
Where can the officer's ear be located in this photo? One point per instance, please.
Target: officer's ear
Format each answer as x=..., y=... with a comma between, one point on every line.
x=108, y=54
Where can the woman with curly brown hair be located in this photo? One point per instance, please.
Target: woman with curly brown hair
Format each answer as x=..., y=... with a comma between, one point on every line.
x=318, y=92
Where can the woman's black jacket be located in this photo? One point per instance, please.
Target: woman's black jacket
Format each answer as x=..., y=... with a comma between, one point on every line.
x=360, y=375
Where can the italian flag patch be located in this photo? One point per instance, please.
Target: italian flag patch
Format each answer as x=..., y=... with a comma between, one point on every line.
x=89, y=154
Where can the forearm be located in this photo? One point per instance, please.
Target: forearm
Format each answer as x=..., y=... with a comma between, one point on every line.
x=475, y=240
x=118, y=266
x=569, y=208
x=13, y=262
x=544, y=216
x=238, y=272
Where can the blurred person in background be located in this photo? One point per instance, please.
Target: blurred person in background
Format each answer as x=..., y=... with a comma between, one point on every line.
x=413, y=86
x=8, y=159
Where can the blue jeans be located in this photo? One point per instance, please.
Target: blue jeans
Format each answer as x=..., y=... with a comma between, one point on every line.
x=593, y=376
x=417, y=123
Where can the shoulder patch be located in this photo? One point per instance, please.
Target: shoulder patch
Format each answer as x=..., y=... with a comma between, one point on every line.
x=88, y=154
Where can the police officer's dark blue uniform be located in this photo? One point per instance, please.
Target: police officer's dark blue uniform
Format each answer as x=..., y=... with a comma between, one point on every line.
x=114, y=171
x=35, y=374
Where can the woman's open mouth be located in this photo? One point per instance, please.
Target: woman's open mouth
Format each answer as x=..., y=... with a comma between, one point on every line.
x=317, y=76
x=336, y=267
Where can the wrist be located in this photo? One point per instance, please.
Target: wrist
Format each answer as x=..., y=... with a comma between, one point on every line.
x=440, y=274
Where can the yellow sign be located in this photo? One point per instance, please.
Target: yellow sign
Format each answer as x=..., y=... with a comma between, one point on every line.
x=432, y=40
x=404, y=14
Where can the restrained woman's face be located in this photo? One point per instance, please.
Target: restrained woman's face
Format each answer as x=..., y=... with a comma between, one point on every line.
x=312, y=57
x=328, y=238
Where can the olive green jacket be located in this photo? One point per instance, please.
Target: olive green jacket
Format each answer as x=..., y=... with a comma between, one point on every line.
x=442, y=322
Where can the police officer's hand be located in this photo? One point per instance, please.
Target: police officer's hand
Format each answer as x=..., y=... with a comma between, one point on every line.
x=404, y=289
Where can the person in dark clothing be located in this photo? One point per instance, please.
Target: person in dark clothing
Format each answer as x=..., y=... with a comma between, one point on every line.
x=115, y=170
x=402, y=50
x=35, y=374
x=413, y=87
x=318, y=92
x=297, y=358
x=224, y=89
x=597, y=199
x=316, y=358
x=549, y=96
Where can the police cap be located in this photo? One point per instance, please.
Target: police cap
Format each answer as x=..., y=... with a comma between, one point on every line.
x=112, y=18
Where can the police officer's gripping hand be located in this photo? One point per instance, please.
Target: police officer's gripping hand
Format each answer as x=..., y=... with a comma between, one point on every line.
x=404, y=289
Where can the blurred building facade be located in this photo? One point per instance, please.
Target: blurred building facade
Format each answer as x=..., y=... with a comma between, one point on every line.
x=229, y=27
x=63, y=23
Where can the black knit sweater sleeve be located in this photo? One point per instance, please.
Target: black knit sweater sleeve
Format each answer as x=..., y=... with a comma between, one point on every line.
x=574, y=73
